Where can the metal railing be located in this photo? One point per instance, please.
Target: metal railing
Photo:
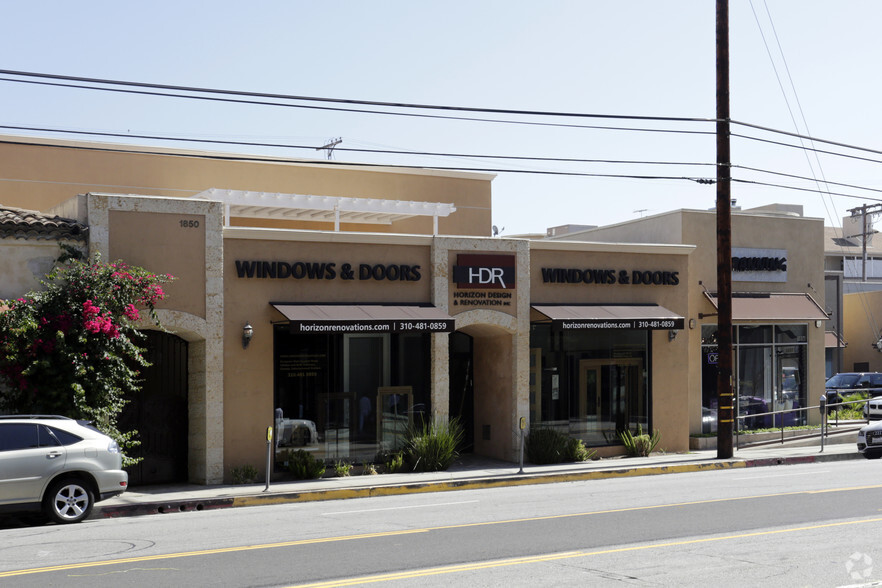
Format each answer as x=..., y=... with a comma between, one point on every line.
x=779, y=416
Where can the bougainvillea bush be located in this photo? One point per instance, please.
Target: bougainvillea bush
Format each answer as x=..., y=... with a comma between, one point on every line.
x=72, y=348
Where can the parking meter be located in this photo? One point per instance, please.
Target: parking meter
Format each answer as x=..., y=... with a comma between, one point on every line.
x=823, y=404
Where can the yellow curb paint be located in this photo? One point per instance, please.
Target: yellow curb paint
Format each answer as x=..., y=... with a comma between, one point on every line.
x=444, y=486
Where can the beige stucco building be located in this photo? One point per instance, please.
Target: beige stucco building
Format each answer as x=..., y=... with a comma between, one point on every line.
x=340, y=305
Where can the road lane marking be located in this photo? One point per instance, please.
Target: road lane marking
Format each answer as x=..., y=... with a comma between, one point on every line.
x=83, y=565
x=470, y=567
x=110, y=562
x=782, y=475
x=339, y=512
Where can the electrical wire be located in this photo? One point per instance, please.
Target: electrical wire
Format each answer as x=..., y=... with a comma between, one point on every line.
x=365, y=111
x=355, y=150
x=353, y=101
x=247, y=158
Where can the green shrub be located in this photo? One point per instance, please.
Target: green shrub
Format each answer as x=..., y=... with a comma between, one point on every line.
x=432, y=447
x=641, y=444
x=850, y=412
x=393, y=461
x=544, y=445
x=342, y=468
x=246, y=474
x=369, y=469
x=576, y=451
x=304, y=466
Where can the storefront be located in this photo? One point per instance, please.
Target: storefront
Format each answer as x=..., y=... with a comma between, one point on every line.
x=777, y=311
x=342, y=318
x=604, y=341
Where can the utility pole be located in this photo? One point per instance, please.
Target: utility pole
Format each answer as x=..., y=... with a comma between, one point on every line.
x=725, y=396
x=864, y=211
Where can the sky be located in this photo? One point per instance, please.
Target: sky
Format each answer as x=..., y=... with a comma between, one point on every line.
x=799, y=66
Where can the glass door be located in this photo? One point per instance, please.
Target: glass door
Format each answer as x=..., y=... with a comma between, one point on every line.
x=365, y=368
x=610, y=396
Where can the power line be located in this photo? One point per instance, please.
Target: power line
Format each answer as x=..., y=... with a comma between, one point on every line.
x=444, y=154
x=362, y=110
x=414, y=106
x=355, y=150
x=806, y=178
x=799, y=189
x=814, y=149
x=220, y=157
x=352, y=101
x=250, y=158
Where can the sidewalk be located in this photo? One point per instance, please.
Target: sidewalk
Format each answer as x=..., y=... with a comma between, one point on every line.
x=469, y=472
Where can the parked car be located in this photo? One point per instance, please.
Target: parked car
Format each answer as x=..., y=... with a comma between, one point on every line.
x=869, y=440
x=57, y=465
x=873, y=409
x=867, y=383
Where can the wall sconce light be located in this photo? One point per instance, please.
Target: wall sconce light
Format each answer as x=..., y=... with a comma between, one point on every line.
x=672, y=334
x=247, y=334
x=691, y=323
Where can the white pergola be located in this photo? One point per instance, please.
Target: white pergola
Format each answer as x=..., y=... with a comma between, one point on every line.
x=302, y=207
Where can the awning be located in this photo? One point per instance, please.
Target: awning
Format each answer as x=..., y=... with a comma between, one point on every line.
x=833, y=341
x=773, y=307
x=610, y=316
x=365, y=318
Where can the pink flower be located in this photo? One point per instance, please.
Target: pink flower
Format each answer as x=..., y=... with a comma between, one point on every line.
x=131, y=312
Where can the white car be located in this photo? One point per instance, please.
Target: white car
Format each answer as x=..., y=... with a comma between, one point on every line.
x=57, y=465
x=873, y=409
x=869, y=441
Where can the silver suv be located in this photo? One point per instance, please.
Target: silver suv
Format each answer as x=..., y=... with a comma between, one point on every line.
x=57, y=465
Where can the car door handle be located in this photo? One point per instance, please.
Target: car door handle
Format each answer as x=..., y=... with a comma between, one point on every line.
x=53, y=454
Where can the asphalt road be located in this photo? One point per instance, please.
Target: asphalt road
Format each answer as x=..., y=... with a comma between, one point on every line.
x=799, y=525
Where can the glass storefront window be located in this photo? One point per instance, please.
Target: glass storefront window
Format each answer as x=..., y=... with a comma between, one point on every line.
x=770, y=368
x=753, y=334
x=348, y=396
x=589, y=385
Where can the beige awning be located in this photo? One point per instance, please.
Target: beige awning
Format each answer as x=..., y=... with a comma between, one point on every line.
x=365, y=318
x=610, y=316
x=832, y=340
x=773, y=307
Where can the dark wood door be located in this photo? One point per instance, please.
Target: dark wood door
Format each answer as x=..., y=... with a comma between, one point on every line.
x=159, y=413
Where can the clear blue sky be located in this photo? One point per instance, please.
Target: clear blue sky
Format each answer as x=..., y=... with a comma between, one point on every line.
x=613, y=57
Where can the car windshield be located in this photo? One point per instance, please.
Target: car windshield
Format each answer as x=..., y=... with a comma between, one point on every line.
x=843, y=380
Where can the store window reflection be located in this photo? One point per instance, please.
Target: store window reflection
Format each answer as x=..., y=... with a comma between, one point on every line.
x=770, y=368
x=589, y=385
x=348, y=396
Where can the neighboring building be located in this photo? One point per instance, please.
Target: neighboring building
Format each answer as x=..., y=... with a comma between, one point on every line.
x=30, y=242
x=340, y=304
x=853, y=264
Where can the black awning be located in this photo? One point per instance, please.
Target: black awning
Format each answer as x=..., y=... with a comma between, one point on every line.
x=610, y=316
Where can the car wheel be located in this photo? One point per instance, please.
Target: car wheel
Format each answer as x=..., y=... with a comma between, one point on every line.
x=872, y=455
x=68, y=500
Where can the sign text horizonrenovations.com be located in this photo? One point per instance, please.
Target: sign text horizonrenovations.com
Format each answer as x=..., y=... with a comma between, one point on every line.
x=311, y=270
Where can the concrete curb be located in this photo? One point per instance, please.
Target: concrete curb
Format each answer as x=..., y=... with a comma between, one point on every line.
x=200, y=504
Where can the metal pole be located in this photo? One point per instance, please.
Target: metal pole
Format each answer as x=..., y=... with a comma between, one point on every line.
x=725, y=397
x=522, y=425
x=269, y=456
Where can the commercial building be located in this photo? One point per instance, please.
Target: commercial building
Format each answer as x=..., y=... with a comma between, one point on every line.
x=341, y=304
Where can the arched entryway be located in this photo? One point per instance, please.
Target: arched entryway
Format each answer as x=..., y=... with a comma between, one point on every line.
x=159, y=413
x=483, y=392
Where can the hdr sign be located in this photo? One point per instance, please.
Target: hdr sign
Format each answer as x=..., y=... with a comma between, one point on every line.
x=484, y=271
